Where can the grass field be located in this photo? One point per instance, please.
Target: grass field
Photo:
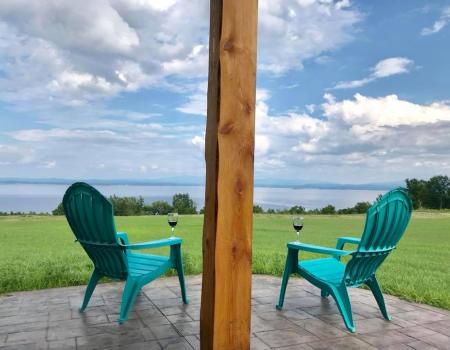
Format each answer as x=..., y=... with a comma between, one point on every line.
x=39, y=252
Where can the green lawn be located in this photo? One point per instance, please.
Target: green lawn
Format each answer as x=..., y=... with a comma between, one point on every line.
x=39, y=252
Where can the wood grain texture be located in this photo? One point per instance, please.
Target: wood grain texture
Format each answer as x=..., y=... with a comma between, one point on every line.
x=230, y=135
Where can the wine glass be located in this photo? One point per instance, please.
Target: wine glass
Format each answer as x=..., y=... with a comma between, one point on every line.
x=297, y=222
x=172, y=219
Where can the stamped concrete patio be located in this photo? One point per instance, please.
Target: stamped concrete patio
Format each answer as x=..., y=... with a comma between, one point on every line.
x=49, y=319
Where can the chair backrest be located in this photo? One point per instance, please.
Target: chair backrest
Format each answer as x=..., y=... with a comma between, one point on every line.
x=90, y=216
x=386, y=222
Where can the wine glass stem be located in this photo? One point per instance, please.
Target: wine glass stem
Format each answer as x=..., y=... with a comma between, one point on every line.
x=173, y=229
x=298, y=236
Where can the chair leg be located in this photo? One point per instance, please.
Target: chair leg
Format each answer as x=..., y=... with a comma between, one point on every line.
x=180, y=271
x=90, y=289
x=340, y=295
x=130, y=292
x=374, y=286
x=287, y=272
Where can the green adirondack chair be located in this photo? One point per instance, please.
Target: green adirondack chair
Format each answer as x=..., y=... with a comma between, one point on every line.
x=90, y=216
x=386, y=222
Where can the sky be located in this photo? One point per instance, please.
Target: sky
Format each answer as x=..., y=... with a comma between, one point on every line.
x=347, y=91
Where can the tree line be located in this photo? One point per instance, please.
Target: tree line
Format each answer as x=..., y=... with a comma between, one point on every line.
x=22, y=213
x=132, y=206
x=183, y=204
x=433, y=193
x=359, y=208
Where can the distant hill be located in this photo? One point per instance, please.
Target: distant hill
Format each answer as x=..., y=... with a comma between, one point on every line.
x=199, y=181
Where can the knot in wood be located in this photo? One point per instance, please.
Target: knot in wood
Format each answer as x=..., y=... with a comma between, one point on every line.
x=234, y=248
x=228, y=46
x=248, y=146
x=239, y=187
x=226, y=128
x=247, y=107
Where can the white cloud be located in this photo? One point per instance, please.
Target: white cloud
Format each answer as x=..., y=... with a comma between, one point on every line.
x=73, y=53
x=70, y=82
x=10, y=154
x=146, y=168
x=372, y=112
x=383, y=69
x=380, y=131
x=353, y=83
x=49, y=164
x=291, y=124
x=143, y=169
x=199, y=141
x=40, y=135
x=76, y=52
x=276, y=136
x=439, y=24
x=191, y=65
x=370, y=138
x=125, y=151
x=292, y=31
x=391, y=66
x=262, y=145
x=196, y=103
x=364, y=133
x=162, y=5
x=310, y=108
x=93, y=26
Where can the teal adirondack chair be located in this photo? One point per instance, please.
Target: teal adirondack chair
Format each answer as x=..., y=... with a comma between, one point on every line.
x=386, y=222
x=90, y=216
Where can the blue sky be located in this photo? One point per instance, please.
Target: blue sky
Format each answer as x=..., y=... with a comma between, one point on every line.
x=348, y=91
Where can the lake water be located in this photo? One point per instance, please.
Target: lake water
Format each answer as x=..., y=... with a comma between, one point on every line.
x=45, y=198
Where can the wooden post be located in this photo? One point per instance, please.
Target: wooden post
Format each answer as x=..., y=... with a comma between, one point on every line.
x=229, y=153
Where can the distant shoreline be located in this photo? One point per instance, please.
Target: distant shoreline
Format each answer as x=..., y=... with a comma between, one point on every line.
x=199, y=182
x=45, y=196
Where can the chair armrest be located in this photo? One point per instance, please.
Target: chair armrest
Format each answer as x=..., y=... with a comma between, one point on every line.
x=342, y=240
x=122, y=236
x=318, y=249
x=153, y=244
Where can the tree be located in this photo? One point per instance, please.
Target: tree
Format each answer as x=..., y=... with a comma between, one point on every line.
x=417, y=190
x=297, y=209
x=59, y=210
x=361, y=207
x=329, y=209
x=447, y=202
x=346, y=211
x=158, y=208
x=437, y=191
x=126, y=206
x=257, y=209
x=183, y=204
